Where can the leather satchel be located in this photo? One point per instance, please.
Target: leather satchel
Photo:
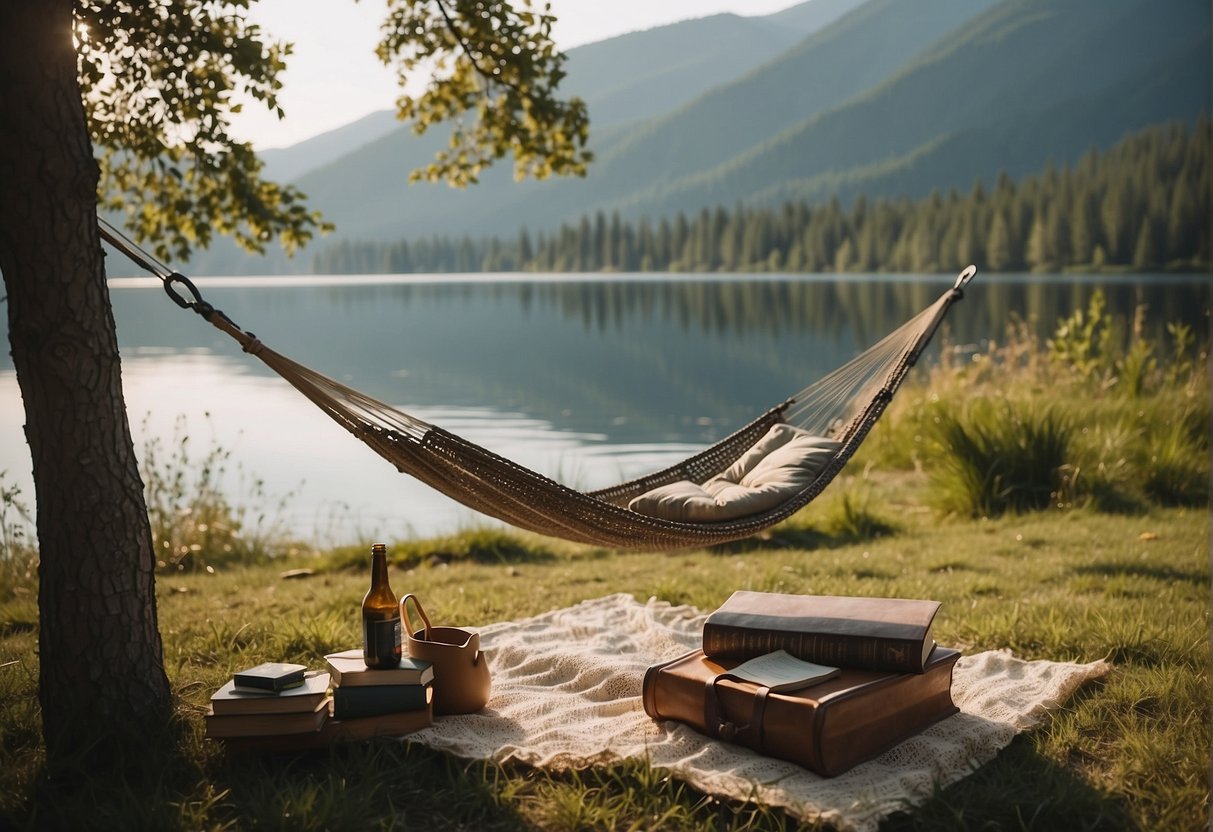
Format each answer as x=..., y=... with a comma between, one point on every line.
x=828, y=727
x=461, y=669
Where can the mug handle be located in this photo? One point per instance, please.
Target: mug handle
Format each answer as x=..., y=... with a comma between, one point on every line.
x=404, y=613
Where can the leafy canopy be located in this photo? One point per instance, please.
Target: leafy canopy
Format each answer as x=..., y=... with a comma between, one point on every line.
x=495, y=59
x=161, y=81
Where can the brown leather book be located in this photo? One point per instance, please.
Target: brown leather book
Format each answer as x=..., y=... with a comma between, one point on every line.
x=828, y=727
x=890, y=634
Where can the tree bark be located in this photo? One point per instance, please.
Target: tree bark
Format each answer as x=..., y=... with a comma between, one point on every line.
x=101, y=662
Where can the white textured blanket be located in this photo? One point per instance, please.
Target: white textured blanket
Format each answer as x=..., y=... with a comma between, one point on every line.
x=566, y=693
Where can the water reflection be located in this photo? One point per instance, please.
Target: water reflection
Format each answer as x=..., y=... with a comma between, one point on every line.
x=863, y=308
x=587, y=380
x=867, y=307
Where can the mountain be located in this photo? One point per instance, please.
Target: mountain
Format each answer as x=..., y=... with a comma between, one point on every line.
x=1062, y=77
x=626, y=78
x=622, y=80
x=645, y=74
x=1170, y=87
x=819, y=74
x=287, y=164
x=830, y=98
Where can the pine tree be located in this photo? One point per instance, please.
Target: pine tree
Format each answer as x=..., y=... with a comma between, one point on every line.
x=1082, y=231
x=585, y=260
x=844, y=257
x=1145, y=255
x=678, y=243
x=1182, y=221
x=1115, y=212
x=600, y=246
x=526, y=255
x=998, y=244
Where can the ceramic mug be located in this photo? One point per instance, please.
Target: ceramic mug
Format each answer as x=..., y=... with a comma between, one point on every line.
x=461, y=670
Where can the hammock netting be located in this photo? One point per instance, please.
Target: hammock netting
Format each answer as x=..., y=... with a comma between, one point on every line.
x=843, y=406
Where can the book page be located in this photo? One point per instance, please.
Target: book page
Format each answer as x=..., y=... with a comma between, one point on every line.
x=781, y=671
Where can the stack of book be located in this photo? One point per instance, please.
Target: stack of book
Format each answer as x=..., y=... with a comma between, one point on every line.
x=270, y=700
x=823, y=681
x=283, y=707
x=400, y=696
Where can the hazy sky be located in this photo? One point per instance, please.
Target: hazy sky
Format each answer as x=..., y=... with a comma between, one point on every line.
x=333, y=77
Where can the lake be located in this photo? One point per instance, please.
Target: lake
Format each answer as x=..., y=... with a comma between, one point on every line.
x=588, y=379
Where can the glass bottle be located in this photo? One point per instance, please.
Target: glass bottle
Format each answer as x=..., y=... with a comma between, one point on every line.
x=380, y=616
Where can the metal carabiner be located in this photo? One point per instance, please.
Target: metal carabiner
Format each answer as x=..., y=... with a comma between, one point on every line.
x=181, y=299
x=962, y=280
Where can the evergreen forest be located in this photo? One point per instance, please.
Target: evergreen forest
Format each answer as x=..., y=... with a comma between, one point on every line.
x=1142, y=205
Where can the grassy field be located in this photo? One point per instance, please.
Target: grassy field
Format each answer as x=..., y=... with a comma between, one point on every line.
x=1129, y=753
x=1053, y=497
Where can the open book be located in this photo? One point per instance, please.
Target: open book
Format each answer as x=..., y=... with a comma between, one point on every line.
x=781, y=671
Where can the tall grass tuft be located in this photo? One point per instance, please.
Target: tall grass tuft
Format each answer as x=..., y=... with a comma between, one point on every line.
x=195, y=523
x=1151, y=451
x=999, y=457
x=1175, y=471
x=18, y=552
x=851, y=518
x=1097, y=415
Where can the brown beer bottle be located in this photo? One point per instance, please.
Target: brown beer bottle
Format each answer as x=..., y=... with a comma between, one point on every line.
x=380, y=616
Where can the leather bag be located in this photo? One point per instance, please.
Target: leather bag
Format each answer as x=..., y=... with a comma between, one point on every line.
x=461, y=670
x=827, y=727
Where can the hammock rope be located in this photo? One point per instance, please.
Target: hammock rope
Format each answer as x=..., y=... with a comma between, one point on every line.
x=843, y=405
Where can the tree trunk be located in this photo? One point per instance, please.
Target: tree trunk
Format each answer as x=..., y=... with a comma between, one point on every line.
x=101, y=663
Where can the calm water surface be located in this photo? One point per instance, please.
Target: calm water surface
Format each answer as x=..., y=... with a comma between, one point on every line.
x=588, y=380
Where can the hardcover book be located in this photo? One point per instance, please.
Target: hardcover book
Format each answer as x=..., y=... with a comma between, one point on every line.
x=348, y=669
x=305, y=697
x=386, y=725
x=827, y=727
x=377, y=700
x=222, y=726
x=889, y=634
x=270, y=677
x=341, y=730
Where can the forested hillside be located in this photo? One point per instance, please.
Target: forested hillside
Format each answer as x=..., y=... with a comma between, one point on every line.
x=1144, y=205
x=1025, y=82
x=647, y=171
x=828, y=100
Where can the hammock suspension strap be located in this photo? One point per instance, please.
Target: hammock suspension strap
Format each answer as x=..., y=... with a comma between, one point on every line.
x=180, y=289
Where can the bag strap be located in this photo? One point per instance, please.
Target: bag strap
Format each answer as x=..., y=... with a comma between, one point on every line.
x=404, y=612
x=750, y=734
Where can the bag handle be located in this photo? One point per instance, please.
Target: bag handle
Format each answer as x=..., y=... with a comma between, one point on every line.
x=404, y=613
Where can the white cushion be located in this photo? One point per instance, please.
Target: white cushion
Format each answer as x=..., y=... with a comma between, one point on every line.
x=682, y=500
x=782, y=463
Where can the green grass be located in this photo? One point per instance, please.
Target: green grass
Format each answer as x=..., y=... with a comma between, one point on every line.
x=1084, y=420
x=998, y=457
x=1130, y=753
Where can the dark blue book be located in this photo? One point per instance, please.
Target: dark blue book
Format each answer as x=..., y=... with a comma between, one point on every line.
x=269, y=678
x=377, y=700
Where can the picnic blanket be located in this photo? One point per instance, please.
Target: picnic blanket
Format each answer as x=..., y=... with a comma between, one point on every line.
x=566, y=693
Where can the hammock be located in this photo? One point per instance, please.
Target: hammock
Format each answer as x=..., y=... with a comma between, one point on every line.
x=843, y=406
